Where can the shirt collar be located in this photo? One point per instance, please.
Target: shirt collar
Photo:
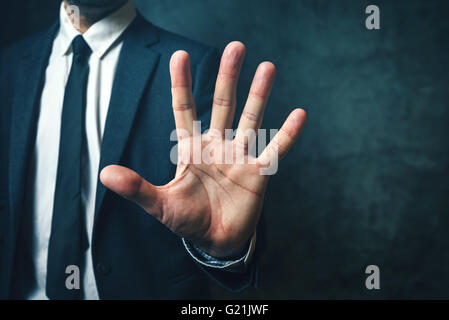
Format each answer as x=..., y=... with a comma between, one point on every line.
x=101, y=35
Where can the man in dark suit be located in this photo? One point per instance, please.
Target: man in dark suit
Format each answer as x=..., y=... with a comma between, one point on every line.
x=92, y=92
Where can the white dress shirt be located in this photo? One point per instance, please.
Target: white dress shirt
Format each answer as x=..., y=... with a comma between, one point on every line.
x=104, y=39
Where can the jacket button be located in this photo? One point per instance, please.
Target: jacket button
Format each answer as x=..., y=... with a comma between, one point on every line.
x=103, y=268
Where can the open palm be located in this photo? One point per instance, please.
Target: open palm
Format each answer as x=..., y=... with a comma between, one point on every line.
x=215, y=199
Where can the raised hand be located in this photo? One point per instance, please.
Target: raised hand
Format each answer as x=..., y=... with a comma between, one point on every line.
x=214, y=203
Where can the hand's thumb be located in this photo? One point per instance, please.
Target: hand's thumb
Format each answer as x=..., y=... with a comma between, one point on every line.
x=130, y=185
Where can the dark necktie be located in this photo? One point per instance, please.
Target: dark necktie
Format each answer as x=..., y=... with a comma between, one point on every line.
x=68, y=239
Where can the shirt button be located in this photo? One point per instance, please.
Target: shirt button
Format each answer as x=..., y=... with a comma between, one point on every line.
x=103, y=268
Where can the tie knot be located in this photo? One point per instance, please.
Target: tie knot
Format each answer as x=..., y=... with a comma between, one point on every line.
x=81, y=50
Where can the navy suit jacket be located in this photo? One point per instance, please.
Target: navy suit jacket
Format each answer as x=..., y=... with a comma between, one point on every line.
x=134, y=256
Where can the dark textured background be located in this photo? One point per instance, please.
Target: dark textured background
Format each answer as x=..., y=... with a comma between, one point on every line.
x=368, y=183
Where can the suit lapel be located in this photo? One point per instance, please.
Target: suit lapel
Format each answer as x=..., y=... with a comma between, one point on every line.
x=136, y=64
x=30, y=75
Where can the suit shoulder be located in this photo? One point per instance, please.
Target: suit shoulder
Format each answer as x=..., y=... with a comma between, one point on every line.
x=169, y=42
x=16, y=49
x=179, y=42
